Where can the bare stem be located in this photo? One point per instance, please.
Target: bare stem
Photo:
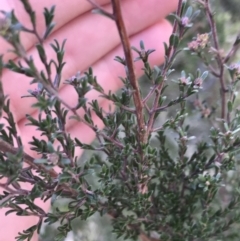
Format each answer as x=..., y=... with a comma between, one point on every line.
x=97, y=6
x=233, y=50
x=131, y=70
x=219, y=59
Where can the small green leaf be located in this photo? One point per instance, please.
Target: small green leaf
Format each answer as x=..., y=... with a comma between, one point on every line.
x=204, y=75
x=48, y=30
x=41, y=52
x=142, y=45
x=189, y=12
x=230, y=106
x=40, y=161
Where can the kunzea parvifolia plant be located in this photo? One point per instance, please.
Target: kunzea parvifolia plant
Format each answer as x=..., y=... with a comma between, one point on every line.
x=155, y=179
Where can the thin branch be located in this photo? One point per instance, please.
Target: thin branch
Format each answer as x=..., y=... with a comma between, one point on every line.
x=158, y=88
x=102, y=10
x=7, y=198
x=219, y=57
x=131, y=70
x=131, y=110
x=6, y=147
x=147, y=97
x=157, y=129
x=171, y=103
x=22, y=54
x=46, y=65
x=214, y=30
x=147, y=107
x=209, y=66
x=213, y=71
x=233, y=50
x=15, y=192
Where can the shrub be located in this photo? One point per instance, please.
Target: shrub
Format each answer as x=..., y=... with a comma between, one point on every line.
x=155, y=178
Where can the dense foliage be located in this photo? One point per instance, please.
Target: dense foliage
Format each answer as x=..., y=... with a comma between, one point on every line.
x=150, y=188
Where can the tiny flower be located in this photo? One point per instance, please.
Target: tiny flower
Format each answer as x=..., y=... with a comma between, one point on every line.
x=197, y=103
x=52, y=158
x=35, y=92
x=236, y=70
x=207, y=183
x=234, y=66
x=203, y=39
x=184, y=139
x=198, y=83
x=184, y=81
x=193, y=45
x=206, y=112
x=200, y=43
x=185, y=21
x=74, y=80
x=228, y=135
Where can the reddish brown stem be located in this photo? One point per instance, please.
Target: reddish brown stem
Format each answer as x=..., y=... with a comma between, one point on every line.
x=158, y=89
x=131, y=70
x=218, y=57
